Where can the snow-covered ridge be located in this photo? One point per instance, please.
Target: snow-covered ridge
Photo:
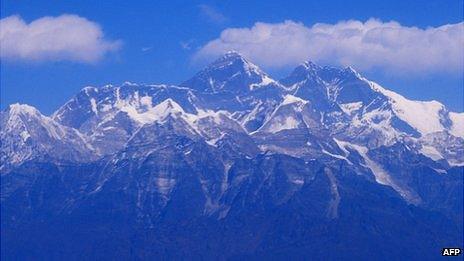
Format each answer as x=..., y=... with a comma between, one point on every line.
x=151, y=113
x=425, y=116
x=168, y=107
x=26, y=134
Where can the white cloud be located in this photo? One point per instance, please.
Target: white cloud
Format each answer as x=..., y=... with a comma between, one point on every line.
x=365, y=45
x=66, y=37
x=212, y=14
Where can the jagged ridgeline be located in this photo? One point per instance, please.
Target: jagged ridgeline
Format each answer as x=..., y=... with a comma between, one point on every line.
x=233, y=164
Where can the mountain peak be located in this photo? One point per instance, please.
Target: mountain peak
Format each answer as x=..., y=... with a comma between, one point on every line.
x=235, y=60
x=310, y=70
x=18, y=108
x=301, y=73
x=232, y=54
x=169, y=105
x=309, y=65
x=313, y=68
x=231, y=72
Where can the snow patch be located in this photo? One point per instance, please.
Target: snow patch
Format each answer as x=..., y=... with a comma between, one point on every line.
x=441, y=171
x=332, y=210
x=337, y=156
x=286, y=123
x=165, y=185
x=93, y=104
x=431, y=152
x=349, y=108
x=289, y=99
x=297, y=181
x=265, y=80
x=24, y=135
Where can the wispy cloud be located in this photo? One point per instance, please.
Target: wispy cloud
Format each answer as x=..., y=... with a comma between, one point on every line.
x=147, y=49
x=66, y=37
x=366, y=45
x=212, y=14
x=187, y=45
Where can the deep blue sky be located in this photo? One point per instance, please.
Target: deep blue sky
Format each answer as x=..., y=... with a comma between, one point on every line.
x=163, y=25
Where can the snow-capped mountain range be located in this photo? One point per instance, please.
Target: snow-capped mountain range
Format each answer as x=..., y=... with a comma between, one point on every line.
x=231, y=125
x=329, y=103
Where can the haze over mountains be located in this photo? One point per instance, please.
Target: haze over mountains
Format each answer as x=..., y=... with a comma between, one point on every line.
x=323, y=158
